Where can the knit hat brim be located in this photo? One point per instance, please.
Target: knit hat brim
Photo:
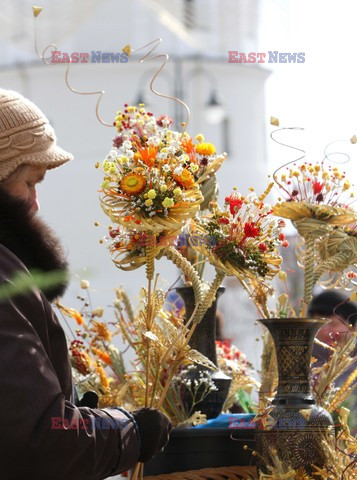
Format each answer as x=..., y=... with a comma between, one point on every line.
x=54, y=157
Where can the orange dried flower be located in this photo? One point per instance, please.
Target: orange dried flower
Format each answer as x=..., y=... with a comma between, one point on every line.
x=188, y=145
x=101, y=355
x=132, y=184
x=101, y=331
x=185, y=179
x=103, y=377
x=71, y=312
x=78, y=318
x=148, y=155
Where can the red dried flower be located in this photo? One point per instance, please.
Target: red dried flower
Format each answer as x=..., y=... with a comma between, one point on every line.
x=224, y=220
x=118, y=141
x=114, y=233
x=317, y=187
x=262, y=247
x=251, y=230
x=281, y=236
x=235, y=203
x=285, y=244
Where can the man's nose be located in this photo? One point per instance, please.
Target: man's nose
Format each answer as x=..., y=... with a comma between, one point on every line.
x=35, y=204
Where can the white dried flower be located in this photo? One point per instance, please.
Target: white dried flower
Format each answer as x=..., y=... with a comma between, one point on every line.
x=178, y=170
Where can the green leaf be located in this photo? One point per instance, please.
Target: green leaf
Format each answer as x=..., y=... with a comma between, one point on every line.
x=23, y=282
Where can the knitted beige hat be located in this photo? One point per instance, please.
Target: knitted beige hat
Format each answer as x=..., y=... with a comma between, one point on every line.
x=26, y=137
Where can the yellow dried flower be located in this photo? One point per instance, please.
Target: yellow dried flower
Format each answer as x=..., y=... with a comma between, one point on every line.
x=205, y=149
x=151, y=194
x=168, y=202
x=107, y=165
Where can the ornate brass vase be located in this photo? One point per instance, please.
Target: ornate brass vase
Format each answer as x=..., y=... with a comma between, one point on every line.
x=204, y=340
x=296, y=427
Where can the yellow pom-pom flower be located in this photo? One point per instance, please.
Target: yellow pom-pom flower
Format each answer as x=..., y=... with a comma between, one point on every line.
x=151, y=194
x=168, y=202
x=205, y=149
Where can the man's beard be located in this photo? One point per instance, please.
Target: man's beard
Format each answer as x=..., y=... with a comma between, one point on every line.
x=31, y=240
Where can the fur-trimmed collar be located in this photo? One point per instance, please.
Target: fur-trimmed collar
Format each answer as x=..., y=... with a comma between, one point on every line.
x=31, y=240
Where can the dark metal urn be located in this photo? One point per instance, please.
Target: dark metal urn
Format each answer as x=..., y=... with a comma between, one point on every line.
x=296, y=427
x=204, y=340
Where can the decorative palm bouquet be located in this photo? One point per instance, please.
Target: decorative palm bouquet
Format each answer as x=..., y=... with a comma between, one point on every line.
x=318, y=201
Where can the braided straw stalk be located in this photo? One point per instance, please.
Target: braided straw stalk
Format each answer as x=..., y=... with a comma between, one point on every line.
x=209, y=297
x=310, y=229
x=309, y=268
x=177, y=259
x=150, y=260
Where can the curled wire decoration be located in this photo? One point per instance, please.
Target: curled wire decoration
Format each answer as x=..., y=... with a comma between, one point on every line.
x=42, y=56
x=47, y=61
x=101, y=93
x=327, y=156
x=154, y=43
x=272, y=136
x=165, y=58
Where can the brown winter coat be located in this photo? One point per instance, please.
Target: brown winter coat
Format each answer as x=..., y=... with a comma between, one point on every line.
x=36, y=385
